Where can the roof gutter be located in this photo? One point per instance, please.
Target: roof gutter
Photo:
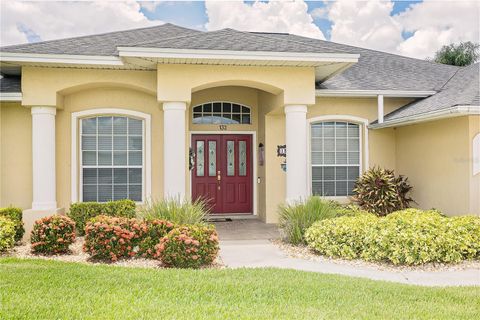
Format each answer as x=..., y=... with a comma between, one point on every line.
x=10, y=96
x=60, y=58
x=373, y=93
x=454, y=111
x=169, y=53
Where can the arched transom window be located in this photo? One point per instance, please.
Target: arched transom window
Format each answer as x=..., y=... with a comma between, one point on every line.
x=335, y=157
x=221, y=113
x=112, y=161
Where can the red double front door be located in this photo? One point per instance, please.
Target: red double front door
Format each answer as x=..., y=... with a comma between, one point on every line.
x=222, y=172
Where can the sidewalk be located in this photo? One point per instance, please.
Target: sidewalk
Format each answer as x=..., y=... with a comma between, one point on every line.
x=262, y=253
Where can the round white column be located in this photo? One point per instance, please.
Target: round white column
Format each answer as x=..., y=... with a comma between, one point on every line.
x=43, y=158
x=296, y=141
x=174, y=149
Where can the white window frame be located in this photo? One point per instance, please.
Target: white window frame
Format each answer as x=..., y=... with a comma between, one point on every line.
x=476, y=154
x=222, y=101
x=363, y=140
x=76, y=176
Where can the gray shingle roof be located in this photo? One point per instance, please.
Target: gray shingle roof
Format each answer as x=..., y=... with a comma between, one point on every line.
x=463, y=89
x=378, y=70
x=101, y=44
x=375, y=70
x=230, y=39
x=10, y=84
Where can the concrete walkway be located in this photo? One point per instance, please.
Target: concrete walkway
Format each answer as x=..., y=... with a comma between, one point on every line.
x=246, y=244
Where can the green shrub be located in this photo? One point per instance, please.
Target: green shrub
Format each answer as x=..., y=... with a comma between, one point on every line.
x=189, y=247
x=381, y=192
x=408, y=237
x=176, y=211
x=343, y=237
x=351, y=210
x=53, y=235
x=14, y=214
x=7, y=234
x=156, y=230
x=82, y=212
x=295, y=218
x=111, y=238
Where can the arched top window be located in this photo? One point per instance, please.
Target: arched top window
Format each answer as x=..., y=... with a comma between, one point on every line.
x=112, y=158
x=335, y=157
x=221, y=113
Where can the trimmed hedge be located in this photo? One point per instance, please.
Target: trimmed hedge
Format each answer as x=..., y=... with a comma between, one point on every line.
x=53, y=235
x=7, y=234
x=15, y=215
x=191, y=246
x=409, y=237
x=82, y=212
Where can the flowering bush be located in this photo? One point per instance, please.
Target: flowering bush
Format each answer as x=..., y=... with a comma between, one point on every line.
x=53, y=234
x=189, y=247
x=156, y=230
x=408, y=237
x=112, y=238
x=7, y=234
x=15, y=215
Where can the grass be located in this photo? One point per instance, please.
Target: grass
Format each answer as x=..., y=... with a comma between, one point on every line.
x=39, y=289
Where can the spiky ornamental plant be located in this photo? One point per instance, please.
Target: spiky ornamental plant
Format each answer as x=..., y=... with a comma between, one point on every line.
x=381, y=192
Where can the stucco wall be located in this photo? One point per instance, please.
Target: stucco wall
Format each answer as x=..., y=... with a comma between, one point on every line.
x=381, y=142
x=120, y=98
x=435, y=157
x=15, y=155
x=474, y=129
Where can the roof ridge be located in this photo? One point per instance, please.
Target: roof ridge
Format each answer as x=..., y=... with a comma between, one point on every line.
x=179, y=37
x=100, y=34
x=448, y=80
x=237, y=31
x=374, y=50
x=302, y=43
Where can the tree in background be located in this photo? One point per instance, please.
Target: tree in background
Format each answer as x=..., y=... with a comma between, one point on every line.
x=463, y=54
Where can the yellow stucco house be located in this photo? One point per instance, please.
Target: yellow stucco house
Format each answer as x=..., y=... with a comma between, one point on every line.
x=249, y=120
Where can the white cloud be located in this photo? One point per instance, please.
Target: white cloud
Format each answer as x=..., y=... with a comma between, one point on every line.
x=365, y=24
x=435, y=24
x=274, y=16
x=54, y=20
x=150, y=5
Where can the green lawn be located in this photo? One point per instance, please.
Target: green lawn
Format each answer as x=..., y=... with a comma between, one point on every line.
x=37, y=289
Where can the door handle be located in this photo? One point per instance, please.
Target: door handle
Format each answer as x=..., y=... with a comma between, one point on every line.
x=219, y=178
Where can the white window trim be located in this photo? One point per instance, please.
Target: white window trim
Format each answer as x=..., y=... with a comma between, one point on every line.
x=147, y=158
x=476, y=154
x=364, y=150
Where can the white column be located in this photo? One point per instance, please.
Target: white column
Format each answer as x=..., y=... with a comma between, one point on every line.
x=43, y=158
x=380, y=108
x=174, y=149
x=296, y=141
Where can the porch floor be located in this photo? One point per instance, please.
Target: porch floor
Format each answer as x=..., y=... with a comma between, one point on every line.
x=250, y=229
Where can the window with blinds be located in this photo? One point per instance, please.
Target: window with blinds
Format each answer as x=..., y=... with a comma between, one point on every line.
x=335, y=157
x=111, y=158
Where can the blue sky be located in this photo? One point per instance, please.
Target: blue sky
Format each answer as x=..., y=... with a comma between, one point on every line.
x=192, y=14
